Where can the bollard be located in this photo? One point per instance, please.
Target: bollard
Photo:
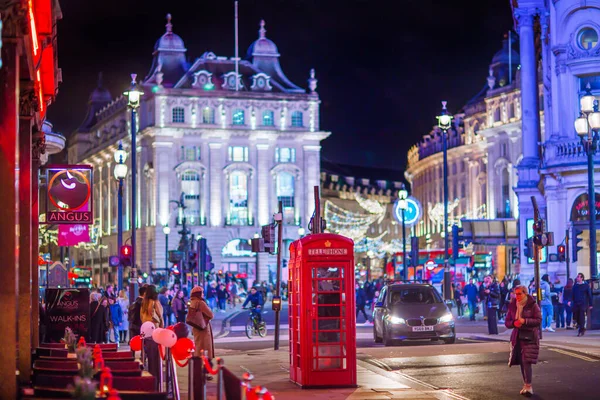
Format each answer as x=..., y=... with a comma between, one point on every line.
x=191, y=363
x=174, y=382
x=142, y=356
x=167, y=371
x=220, y=383
x=261, y=393
x=161, y=378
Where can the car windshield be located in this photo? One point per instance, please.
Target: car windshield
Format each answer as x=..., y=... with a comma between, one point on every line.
x=416, y=295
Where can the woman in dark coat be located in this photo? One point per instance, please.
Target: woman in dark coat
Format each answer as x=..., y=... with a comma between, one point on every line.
x=100, y=320
x=525, y=316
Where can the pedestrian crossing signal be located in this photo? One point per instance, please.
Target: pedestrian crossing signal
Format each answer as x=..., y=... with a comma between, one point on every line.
x=126, y=252
x=562, y=253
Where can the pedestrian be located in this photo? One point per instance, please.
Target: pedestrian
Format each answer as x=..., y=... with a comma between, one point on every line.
x=557, y=304
x=211, y=295
x=151, y=309
x=233, y=292
x=471, y=292
x=100, y=320
x=546, y=303
x=134, y=313
x=482, y=297
x=203, y=338
x=503, y=302
x=457, y=298
x=582, y=301
x=110, y=292
x=222, y=296
x=491, y=292
x=524, y=318
x=178, y=305
x=123, y=301
x=116, y=318
x=568, y=302
x=163, y=298
x=361, y=301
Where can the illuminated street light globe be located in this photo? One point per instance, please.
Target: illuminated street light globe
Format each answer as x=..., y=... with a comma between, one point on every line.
x=444, y=119
x=581, y=125
x=166, y=229
x=587, y=101
x=120, y=171
x=402, y=194
x=594, y=120
x=134, y=93
x=120, y=155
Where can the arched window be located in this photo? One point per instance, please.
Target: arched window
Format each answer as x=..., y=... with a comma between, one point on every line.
x=268, y=118
x=238, y=117
x=297, y=119
x=497, y=116
x=511, y=110
x=285, y=194
x=238, y=198
x=208, y=115
x=178, y=116
x=190, y=186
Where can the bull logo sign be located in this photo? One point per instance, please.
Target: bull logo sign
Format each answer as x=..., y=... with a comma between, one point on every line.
x=69, y=194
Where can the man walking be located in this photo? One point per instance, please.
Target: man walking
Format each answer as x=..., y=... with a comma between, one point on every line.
x=582, y=301
x=470, y=291
x=361, y=301
x=546, y=303
x=492, y=301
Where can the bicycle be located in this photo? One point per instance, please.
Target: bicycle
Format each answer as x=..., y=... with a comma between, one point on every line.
x=253, y=327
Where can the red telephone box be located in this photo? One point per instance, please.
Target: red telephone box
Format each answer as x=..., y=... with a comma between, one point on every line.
x=322, y=319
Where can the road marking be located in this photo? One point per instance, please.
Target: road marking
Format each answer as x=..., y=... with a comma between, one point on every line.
x=417, y=381
x=451, y=394
x=380, y=364
x=568, y=353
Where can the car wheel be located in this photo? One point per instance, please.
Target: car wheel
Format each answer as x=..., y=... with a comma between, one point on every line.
x=451, y=340
x=387, y=340
x=376, y=338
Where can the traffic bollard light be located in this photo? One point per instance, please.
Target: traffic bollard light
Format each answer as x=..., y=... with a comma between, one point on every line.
x=575, y=240
x=528, y=248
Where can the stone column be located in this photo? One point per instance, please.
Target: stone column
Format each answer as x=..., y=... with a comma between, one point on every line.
x=162, y=190
x=312, y=170
x=9, y=213
x=27, y=108
x=215, y=177
x=38, y=148
x=263, y=183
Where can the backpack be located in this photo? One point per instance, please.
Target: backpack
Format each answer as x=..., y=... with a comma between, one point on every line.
x=134, y=313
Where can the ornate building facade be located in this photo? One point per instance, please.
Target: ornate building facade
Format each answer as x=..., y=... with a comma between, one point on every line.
x=234, y=143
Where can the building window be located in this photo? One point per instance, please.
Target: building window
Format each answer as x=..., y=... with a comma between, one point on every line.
x=238, y=153
x=587, y=38
x=505, y=199
x=238, y=198
x=178, y=115
x=503, y=149
x=285, y=155
x=190, y=186
x=238, y=117
x=208, y=115
x=285, y=194
x=297, y=119
x=190, y=153
x=268, y=118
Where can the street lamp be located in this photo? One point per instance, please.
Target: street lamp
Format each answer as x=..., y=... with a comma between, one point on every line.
x=184, y=241
x=403, y=206
x=445, y=123
x=134, y=95
x=587, y=126
x=166, y=231
x=301, y=232
x=120, y=173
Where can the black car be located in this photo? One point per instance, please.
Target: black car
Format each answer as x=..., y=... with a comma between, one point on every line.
x=411, y=311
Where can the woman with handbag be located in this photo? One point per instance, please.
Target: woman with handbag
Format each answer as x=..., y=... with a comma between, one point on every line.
x=151, y=309
x=199, y=316
x=524, y=317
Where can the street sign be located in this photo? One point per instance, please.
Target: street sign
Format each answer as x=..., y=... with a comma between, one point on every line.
x=412, y=214
x=69, y=197
x=114, y=261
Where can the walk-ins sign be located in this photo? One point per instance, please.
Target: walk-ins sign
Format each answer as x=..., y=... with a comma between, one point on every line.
x=69, y=197
x=67, y=308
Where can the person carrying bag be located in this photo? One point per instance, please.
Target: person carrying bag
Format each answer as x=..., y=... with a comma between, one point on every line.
x=198, y=317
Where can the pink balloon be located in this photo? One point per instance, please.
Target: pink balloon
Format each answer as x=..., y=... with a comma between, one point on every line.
x=166, y=337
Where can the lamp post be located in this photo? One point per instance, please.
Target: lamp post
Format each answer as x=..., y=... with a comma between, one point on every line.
x=403, y=205
x=587, y=126
x=166, y=231
x=184, y=242
x=445, y=123
x=120, y=173
x=134, y=95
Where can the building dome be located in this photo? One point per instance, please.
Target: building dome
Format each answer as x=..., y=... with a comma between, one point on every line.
x=100, y=95
x=502, y=56
x=262, y=46
x=169, y=41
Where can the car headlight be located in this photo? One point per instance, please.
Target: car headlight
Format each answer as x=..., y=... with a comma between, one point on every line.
x=446, y=318
x=396, y=320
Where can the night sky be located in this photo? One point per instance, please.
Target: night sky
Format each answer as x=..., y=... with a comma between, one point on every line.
x=382, y=69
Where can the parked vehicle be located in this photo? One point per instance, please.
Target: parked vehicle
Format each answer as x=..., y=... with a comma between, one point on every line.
x=411, y=311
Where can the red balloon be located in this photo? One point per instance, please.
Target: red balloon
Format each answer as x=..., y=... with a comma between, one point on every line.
x=136, y=343
x=171, y=327
x=183, y=349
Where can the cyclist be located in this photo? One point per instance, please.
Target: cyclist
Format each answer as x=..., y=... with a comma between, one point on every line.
x=256, y=300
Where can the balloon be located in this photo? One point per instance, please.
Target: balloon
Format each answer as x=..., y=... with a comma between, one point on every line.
x=147, y=329
x=136, y=343
x=183, y=349
x=170, y=327
x=165, y=337
x=181, y=330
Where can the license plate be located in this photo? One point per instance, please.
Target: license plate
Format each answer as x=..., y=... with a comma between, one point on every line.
x=422, y=328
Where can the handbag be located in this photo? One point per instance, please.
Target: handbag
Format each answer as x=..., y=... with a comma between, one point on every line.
x=526, y=336
x=195, y=319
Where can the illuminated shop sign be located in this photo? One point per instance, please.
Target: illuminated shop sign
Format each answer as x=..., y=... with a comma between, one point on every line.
x=69, y=197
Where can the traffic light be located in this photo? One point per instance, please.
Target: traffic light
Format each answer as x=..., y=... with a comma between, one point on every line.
x=202, y=253
x=514, y=251
x=175, y=269
x=125, y=253
x=284, y=263
x=414, y=251
x=562, y=252
x=528, y=248
x=575, y=240
x=192, y=261
x=456, y=239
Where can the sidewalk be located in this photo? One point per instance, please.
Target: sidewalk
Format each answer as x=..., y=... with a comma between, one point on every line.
x=274, y=375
